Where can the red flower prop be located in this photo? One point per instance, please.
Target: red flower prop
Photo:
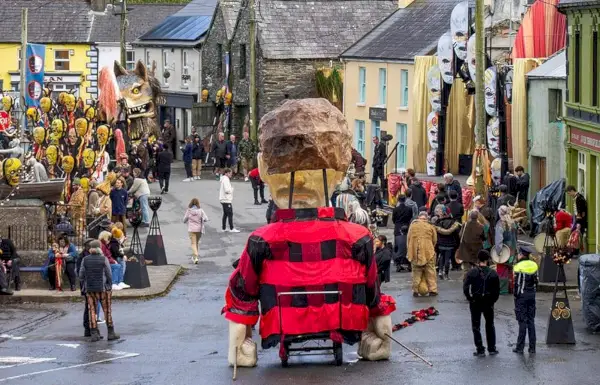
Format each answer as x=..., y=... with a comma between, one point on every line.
x=417, y=316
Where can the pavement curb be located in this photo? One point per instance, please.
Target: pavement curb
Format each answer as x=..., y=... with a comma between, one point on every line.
x=124, y=295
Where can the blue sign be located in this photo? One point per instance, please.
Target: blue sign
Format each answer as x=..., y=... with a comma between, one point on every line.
x=34, y=74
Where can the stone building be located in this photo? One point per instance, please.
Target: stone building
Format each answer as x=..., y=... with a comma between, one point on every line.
x=294, y=38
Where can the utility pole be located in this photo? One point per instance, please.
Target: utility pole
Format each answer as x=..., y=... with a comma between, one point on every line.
x=123, y=32
x=252, y=37
x=22, y=85
x=480, y=61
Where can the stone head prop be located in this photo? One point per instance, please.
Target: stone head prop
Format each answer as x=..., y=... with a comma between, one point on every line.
x=304, y=137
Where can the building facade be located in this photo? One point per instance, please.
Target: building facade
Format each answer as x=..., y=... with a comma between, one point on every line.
x=582, y=115
x=546, y=93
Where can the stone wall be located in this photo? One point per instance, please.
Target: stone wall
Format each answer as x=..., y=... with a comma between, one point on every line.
x=24, y=221
x=212, y=78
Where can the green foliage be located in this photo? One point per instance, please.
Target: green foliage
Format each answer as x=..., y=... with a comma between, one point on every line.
x=331, y=86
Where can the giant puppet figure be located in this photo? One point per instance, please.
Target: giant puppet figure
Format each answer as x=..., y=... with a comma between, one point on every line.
x=309, y=246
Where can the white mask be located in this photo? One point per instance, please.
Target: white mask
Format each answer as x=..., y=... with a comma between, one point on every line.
x=490, y=91
x=434, y=85
x=459, y=25
x=445, y=55
x=432, y=129
x=493, y=136
x=431, y=163
x=471, y=56
x=496, y=168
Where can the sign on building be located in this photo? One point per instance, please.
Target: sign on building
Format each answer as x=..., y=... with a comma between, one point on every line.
x=34, y=74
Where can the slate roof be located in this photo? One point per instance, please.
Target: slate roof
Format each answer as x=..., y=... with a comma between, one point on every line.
x=198, y=8
x=408, y=32
x=319, y=29
x=142, y=18
x=57, y=21
x=553, y=68
x=230, y=10
x=563, y=4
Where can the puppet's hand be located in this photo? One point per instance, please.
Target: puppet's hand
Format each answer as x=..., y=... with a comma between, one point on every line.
x=240, y=337
x=374, y=344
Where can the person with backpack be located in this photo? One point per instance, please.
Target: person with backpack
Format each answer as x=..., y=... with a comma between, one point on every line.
x=482, y=289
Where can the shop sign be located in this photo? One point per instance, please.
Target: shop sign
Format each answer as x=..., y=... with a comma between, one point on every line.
x=376, y=113
x=587, y=139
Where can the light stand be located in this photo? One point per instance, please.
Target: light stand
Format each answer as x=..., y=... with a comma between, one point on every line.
x=155, y=248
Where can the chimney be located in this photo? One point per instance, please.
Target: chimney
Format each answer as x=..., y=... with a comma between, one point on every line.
x=404, y=3
x=99, y=5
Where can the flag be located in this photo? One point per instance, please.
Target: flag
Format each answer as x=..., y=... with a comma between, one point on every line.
x=34, y=74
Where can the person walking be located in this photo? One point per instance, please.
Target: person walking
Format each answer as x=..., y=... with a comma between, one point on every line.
x=96, y=277
x=482, y=289
x=198, y=154
x=226, y=199
x=86, y=314
x=248, y=151
x=141, y=191
x=422, y=238
x=232, y=153
x=188, y=150
x=258, y=186
x=526, y=281
x=195, y=218
x=163, y=167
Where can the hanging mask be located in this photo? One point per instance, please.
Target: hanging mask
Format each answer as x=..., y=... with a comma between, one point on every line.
x=58, y=128
x=102, y=134
x=89, y=158
x=471, y=56
x=72, y=137
x=70, y=102
x=62, y=98
x=39, y=135
x=431, y=163
x=496, y=169
x=444, y=56
x=490, y=91
x=459, y=26
x=228, y=98
x=52, y=155
x=46, y=104
x=81, y=126
x=11, y=169
x=7, y=103
x=493, y=136
x=434, y=85
x=432, y=129
x=90, y=113
x=204, y=96
x=85, y=184
x=54, y=139
x=68, y=163
x=33, y=114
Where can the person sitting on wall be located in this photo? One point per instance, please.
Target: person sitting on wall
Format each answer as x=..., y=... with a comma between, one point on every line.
x=9, y=266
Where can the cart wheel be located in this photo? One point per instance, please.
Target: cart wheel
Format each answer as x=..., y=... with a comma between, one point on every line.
x=338, y=354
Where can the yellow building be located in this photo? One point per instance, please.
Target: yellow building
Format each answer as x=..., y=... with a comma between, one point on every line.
x=378, y=75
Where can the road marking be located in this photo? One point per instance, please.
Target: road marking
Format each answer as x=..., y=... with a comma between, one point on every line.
x=127, y=355
x=114, y=352
x=11, y=337
x=18, y=361
x=72, y=346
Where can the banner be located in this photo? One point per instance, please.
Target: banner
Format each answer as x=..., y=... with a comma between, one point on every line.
x=34, y=74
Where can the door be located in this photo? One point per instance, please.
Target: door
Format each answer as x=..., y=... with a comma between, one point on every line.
x=542, y=173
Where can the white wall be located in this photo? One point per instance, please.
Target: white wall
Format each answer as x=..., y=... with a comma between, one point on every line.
x=107, y=55
x=175, y=67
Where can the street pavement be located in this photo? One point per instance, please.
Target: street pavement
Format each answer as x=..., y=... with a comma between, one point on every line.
x=181, y=338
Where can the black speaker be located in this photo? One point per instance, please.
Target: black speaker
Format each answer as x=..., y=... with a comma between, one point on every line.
x=465, y=164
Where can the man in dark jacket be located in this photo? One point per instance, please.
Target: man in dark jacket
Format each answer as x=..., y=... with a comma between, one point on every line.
x=219, y=151
x=378, y=162
x=167, y=135
x=505, y=198
x=188, y=150
x=86, y=313
x=163, y=166
x=95, y=273
x=419, y=195
x=198, y=155
x=522, y=185
x=526, y=281
x=448, y=230
x=453, y=185
x=482, y=289
x=456, y=208
x=510, y=181
x=358, y=160
x=402, y=215
x=9, y=266
x=471, y=242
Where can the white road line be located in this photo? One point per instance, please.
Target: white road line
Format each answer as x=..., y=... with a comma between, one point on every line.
x=18, y=361
x=128, y=355
x=11, y=337
x=72, y=346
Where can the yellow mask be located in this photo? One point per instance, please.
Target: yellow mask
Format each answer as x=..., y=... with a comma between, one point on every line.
x=90, y=113
x=58, y=128
x=89, y=157
x=39, y=135
x=81, y=126
x=53, y=140
x=228, y=97
x=68, y=163
x=11, y=169
x=46, y=104
x=70, y=102
x=52, y=155
x=219, y=95
x=33, y=114
x=62, y=97
x=7, y=103
x=85, y=184
x=204, y=96
x=102, y=134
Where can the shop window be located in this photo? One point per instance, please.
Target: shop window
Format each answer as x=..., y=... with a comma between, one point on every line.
x=402, y=136
x=359, y=136
x=404, y=88
x=130, y=60
x=61, y=60
x=382, y=86
x=242, y=61
x=362, y=84
x=554, y=105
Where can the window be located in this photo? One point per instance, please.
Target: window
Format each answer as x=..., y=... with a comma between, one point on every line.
x=402, y=136
x=148, y=62
x=375, y=131
x=165, y=60
x=19, y=59
x=185, y=71
x=404, y=88
x=242, y=61
x=359, y=136
x=581, y=172
x=595, y=69
x=554, y=105
x=220, y=56
x=577, y=72
x=130, y=63
x=382, y=86
x=362, y=84
x=61, y=60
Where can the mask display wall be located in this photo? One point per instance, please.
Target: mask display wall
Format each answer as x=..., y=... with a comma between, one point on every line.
x=459, y=25
x=490, y=91
x=445, y=54
x=431, y=163
x=493, y=136
x=496, y=169
x=432, y=129
x=471, y=56
x=434, y=85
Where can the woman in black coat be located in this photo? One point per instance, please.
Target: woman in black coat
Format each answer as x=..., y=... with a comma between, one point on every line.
x=383, y=257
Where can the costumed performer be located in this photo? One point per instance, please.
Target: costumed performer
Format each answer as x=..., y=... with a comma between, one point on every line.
x=305, y=153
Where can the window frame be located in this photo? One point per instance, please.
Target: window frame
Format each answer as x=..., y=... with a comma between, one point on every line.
x=360, y=140
x=402, y=138
x=382, y=86
x=129, y=64
x=61, y=60
x=404, y=88
x=362, y=85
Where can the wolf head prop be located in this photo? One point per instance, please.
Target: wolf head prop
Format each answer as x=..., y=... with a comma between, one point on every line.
x=138, y=91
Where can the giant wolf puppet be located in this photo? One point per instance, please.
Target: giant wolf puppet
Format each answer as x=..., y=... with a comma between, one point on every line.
x=139, y=91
